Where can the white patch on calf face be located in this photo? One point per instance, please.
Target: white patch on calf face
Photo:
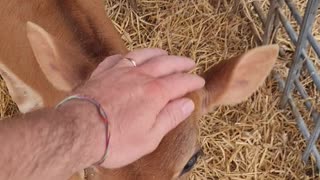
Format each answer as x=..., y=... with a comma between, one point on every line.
x=23, y=95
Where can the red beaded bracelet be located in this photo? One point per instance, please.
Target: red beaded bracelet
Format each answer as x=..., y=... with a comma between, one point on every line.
x=102, y=114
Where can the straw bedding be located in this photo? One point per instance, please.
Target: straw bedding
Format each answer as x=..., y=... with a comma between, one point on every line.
x=253, y=140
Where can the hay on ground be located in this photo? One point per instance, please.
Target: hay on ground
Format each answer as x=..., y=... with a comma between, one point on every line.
x=253, y=140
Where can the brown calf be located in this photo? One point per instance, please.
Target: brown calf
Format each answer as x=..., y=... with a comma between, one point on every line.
x=228, y=83
x=42, y=64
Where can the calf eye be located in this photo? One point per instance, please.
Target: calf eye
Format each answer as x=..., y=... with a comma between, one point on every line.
x=191, y=162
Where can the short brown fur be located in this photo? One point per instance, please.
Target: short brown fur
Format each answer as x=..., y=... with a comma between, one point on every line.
x=81, y=24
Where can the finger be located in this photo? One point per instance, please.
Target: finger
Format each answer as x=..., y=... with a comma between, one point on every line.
x=165, y=65
x=172, y=115
x=140, y=56
x=174, y=86
x=107, y=63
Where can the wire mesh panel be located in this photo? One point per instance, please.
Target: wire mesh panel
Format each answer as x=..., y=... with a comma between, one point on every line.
x=301, y=61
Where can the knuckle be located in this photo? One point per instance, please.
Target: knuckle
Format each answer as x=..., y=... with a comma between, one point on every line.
x=156, y=89
x=154, y=144
x=173, y=117
x=140, y=70
x=151, y=144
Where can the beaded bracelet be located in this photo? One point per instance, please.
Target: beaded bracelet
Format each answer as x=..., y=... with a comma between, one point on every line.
x=102, y=114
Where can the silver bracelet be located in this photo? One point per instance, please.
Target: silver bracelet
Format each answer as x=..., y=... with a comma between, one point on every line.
x=102, y=114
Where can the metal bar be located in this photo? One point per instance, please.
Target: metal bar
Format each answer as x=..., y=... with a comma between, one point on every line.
x=307, y=102
x=312, y=71
x=246, y=14
x=269, y=25
x=277, y=21
x=294, y=71
x=298, y=18
x=312, y=141
x=293, y=36
x=303, y=129
x=300, y=122
x=259, y=11
x=262, y=17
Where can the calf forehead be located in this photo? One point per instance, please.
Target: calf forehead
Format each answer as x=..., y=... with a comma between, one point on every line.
x=91, y=27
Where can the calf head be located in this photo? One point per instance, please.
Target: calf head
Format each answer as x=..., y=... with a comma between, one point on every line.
x=227, y=83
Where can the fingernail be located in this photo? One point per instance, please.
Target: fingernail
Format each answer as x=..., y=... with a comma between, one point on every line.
x=187, y=107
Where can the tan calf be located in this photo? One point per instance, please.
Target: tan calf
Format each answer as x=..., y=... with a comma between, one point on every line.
x=228, y=83
x=63, y=59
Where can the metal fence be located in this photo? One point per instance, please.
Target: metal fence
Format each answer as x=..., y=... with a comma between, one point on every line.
x=301, y=61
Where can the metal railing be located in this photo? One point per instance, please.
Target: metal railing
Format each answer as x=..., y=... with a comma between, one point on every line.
x=301, y=61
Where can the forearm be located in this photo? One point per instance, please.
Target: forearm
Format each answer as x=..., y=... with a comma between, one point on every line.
x=47, y=144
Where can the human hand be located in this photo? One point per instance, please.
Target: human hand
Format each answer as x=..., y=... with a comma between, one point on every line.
x=142, y=103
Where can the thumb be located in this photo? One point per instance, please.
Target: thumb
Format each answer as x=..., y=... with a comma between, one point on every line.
x=172, y=115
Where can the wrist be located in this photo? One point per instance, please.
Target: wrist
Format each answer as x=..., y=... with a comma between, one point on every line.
x=91, y=130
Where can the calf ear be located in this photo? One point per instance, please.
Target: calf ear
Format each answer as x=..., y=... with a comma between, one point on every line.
x=23, y=95
x=233, y=81
x=63, y=65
